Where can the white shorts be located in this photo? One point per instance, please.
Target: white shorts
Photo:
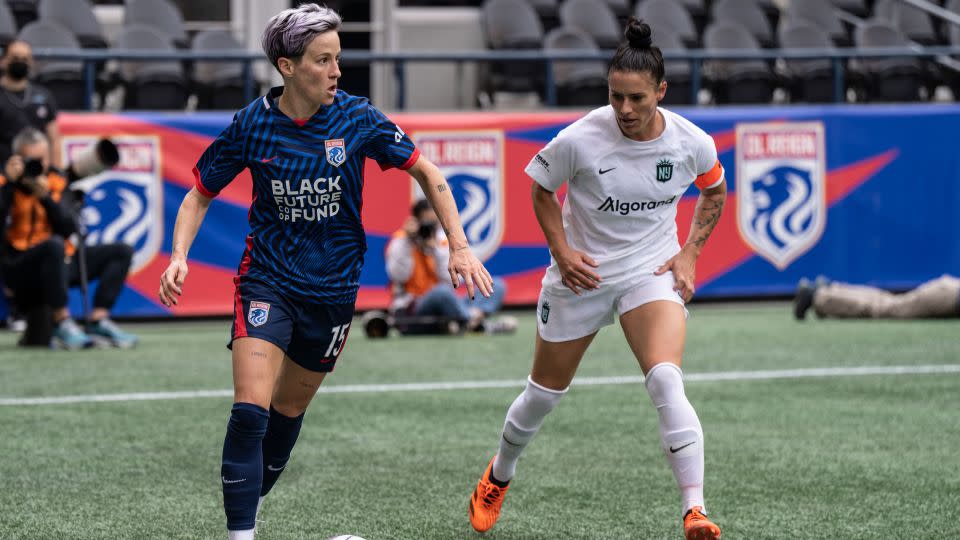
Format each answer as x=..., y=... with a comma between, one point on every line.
x=564, y=316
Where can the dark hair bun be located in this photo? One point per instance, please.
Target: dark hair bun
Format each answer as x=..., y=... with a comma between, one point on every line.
x=638, y=34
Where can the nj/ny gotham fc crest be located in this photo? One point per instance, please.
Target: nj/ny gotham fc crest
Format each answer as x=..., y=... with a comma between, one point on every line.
x=472, y=162
x=781, y=188
x=123, y=204
x=664, y=170
x=545, y=312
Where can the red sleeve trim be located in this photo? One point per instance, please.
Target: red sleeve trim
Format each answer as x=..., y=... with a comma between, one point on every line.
x=410, y=162
x=710, y=177
x=199, y=185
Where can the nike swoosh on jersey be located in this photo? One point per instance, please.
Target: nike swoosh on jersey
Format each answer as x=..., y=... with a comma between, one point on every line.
x=606, y=171
x=268, y=160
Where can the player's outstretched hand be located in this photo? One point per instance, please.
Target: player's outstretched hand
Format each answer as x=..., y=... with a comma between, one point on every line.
x=171, y=281
x=684, y=267
x=575, y=270
x=464, y=264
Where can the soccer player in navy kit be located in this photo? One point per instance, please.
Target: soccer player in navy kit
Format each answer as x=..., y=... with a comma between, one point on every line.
x=305, y=144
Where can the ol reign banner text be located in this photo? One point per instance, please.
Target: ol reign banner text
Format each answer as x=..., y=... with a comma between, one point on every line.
x=860, y=193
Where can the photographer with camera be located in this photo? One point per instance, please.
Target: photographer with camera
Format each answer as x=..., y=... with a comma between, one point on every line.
x=416, y=264
x=38, y=261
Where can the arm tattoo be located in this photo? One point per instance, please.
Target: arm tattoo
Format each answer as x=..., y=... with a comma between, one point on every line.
x=705, y=218
x=441, y=188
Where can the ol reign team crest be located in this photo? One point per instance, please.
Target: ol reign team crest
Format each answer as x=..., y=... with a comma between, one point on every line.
x=336, y=151
x=781, y=188
x=123, y=204
x=472, y=162
x=258, y=313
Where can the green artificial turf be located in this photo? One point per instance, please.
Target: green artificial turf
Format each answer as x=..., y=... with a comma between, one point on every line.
x=832, y=457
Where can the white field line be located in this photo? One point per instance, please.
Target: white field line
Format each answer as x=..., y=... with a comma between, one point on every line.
x=475, y=385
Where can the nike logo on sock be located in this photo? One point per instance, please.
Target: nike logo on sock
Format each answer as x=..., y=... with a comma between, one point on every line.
x=675, y=450
x=275, y=469
x=225, y=481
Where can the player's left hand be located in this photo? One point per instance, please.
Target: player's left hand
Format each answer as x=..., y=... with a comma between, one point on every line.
x=684, y=268
x=464, y=264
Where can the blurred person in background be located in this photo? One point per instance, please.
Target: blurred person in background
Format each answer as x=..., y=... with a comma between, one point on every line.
x=416, y=262
x=23, y=104
x=937, y=298
x=38, y=263
x=618, y=259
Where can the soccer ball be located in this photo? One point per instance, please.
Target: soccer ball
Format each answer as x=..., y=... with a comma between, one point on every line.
x=345, y=537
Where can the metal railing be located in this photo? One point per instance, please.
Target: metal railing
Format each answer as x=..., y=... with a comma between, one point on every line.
x=695, y=57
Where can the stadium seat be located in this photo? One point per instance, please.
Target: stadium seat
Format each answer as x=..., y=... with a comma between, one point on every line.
x=822, y=14
x=594, y=18
x=78, y=16
x=952, y=30
x=659, y=13
x=547, y=10
x=160, y=15
x=513, y=24
x=64, y=78
x=578, y=83
x=151, y=85
x=620, y=9
x=811, y=80
x=855, y=7
x=8, y=25
x=748, y=14
x=892, y=79
x=913, y=23
x=219, y=84
x=740, y=81
x=677, y=71
x=24, y=11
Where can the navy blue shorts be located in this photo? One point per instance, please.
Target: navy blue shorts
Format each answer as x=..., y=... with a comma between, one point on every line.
x=312, y=335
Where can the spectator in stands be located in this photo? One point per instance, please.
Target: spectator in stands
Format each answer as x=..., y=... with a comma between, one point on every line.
x=936, y=298
x=416, y=261
x=37, y=260
x=24, y=103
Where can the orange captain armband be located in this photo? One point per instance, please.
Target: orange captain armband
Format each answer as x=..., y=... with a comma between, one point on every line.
x=710, y=178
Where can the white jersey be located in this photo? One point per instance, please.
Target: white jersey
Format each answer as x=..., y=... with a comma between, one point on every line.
x=621, y=203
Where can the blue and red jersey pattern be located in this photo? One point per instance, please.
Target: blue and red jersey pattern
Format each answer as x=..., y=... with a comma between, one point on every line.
x=306, y=237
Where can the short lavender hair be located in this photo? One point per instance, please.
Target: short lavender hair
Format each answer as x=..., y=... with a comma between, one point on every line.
x=289, y=32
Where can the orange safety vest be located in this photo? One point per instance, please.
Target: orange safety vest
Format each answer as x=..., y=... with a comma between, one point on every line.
x=29, y=225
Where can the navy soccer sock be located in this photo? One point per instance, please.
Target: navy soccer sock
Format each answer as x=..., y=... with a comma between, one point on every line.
x=242, y=468
x=282, y=433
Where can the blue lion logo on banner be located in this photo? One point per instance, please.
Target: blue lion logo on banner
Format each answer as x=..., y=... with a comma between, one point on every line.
x=784, y=205
x=783, y=211
x=479, y=206
x=123, y=210
x=116, y=211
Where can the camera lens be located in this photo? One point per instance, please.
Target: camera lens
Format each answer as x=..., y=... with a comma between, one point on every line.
x=427, y=230
x=32, y=168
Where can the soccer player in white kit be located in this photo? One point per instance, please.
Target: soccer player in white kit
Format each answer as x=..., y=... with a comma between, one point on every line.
x=615, y=251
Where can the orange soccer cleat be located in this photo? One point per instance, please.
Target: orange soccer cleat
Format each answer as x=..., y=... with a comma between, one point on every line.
x=696, y=526
x=486, y=501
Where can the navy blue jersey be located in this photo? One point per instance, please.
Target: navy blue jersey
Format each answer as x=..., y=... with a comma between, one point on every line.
x=306, y=238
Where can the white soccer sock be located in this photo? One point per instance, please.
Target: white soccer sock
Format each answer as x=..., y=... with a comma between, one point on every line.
x=241, y=535
x=680, y=432
x=524, y=419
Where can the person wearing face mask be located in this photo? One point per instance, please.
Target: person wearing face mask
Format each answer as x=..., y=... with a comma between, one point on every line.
x=24, y=103
x=38, y=262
